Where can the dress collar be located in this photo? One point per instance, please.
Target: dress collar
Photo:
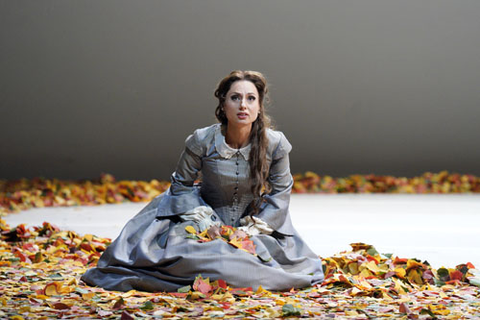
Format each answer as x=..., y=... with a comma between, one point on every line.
x=224, y=149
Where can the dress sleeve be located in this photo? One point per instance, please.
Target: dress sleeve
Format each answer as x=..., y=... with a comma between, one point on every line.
x=274, y=210
x=183, y=195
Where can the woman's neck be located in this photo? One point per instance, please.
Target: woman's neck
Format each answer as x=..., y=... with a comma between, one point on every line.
x=237, y=137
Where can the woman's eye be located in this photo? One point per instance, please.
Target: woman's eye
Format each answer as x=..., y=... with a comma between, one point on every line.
x=234, y=98
x=251, y=98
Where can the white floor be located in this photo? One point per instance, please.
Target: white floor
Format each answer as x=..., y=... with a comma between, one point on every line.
x=442, y=229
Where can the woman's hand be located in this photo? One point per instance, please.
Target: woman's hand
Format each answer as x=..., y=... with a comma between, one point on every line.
x=213, y=232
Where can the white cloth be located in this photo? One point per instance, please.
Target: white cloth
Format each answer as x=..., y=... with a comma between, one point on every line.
x=254, y=226
x=201, y=215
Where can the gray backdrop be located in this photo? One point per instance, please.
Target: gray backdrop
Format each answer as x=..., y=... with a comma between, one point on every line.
x=370, y=86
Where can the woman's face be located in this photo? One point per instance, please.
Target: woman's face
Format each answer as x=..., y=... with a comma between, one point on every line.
x=242, y=103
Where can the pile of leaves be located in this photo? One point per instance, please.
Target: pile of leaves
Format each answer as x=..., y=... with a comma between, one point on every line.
x=227, y=234
x=442, y=182
x=23, y=194
x=40, y=269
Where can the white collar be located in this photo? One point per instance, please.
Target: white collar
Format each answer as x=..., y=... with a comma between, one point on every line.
x=224, y=149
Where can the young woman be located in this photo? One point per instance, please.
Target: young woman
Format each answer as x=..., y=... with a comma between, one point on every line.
x=246, y=184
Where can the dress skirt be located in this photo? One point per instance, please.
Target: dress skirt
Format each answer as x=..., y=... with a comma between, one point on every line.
x=153, y=254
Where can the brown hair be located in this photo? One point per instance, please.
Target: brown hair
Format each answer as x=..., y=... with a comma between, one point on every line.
x=258, y=136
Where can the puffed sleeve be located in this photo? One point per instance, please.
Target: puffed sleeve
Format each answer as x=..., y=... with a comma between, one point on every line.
x=275, y=209
x=182, y=195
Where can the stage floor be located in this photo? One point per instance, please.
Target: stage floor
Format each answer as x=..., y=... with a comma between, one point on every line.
x=442, y=229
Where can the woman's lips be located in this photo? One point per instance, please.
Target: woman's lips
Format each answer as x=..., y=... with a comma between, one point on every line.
x=242, y=115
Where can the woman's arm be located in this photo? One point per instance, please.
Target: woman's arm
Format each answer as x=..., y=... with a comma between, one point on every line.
x=182, y=195
x=275, y=208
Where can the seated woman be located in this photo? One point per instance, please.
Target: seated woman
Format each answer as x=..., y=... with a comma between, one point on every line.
x=246, y=184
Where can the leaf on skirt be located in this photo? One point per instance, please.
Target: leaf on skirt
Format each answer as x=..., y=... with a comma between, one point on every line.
x=190, y=229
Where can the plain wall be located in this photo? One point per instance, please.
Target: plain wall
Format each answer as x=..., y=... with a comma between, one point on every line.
x=370, y=86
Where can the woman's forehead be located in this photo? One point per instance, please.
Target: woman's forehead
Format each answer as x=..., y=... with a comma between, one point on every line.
x=244, y=87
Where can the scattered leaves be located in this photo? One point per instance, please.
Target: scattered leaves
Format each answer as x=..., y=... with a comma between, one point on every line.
x=22, y=194
x=359, y=284
x=227, y=234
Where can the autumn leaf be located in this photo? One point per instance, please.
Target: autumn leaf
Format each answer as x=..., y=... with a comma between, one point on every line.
x=289, y=310
x=202, y=285
x=184, y=289
x=191, y=230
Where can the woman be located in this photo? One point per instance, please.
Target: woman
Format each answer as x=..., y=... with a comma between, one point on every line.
x=246, y=183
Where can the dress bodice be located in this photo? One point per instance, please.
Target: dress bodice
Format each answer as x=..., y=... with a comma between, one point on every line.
x=225, y=182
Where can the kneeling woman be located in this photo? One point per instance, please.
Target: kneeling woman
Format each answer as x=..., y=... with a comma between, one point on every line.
x=246, y=184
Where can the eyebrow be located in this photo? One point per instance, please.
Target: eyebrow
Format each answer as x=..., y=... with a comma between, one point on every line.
x=247, y=93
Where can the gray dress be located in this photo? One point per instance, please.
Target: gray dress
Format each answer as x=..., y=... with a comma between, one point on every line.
x=152, y=252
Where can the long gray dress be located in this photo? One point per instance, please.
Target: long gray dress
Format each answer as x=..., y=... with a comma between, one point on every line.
x=152, y=252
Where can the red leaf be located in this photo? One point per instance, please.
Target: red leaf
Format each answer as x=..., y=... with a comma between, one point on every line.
x=249, y=246
x=119, y=304
x=126, y=316
x=60, y=306
x=400, y=261
x=222, y=284
x=201, y=286
x=456, y=275
x=404, y=308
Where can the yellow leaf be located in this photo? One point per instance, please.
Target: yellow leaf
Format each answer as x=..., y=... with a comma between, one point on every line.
x=260, y=290
x=53, y=288
x=365, y=273
x=23, y=309
x=203, y=234
x=439, y=309
x=128, y=294
x=415, y=275
x=72, y=282
x=372, y=266
x=353, y=268
x=400, y=272
x=226, y=297
x=88, y=237
x=190, y=229
x=234, y=242
x=398, y=286
x=386, y=296
x=88, y=296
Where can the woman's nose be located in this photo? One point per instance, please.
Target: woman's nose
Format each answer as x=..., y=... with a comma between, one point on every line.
x=243, y=103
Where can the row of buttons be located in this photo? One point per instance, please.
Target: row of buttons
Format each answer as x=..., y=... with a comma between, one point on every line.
x=235, y=194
